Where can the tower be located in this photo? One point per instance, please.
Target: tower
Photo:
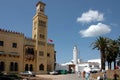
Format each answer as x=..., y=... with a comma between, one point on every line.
x=39, y=34
x=75, y=54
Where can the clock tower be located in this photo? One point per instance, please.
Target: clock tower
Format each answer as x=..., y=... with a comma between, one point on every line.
x=39, y=34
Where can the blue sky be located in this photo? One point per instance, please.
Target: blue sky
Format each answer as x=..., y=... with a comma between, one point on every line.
x=70, y=22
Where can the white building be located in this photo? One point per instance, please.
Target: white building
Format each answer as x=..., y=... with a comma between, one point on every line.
x=78, y=65
x=96, y=61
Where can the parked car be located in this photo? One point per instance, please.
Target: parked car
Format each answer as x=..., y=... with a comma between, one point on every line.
x=63, y=71
x=27, y=73
x=53, y=72
x=95, y=70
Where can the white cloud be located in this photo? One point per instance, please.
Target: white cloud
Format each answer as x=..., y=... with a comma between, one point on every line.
x=91, y=15
x=95, y=30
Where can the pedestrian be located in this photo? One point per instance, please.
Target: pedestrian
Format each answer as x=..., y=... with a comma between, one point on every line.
x=79, y=74
x=83, y=75
x=115, y=76
x=104, y=75
x=87, y=75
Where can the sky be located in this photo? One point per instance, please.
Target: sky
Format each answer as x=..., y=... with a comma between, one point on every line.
x=70, y=22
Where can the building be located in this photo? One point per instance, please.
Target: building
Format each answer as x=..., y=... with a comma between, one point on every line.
x=77, y=65
x=18, y=53
x=95, y=61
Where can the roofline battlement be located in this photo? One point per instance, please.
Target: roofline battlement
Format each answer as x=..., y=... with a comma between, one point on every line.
x=9, y=31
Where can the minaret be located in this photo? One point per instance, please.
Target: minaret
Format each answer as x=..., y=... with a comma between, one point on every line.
x=75, y=54
x=39, y=34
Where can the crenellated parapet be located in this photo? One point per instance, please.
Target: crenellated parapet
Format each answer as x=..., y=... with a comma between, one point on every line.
x=9, y=31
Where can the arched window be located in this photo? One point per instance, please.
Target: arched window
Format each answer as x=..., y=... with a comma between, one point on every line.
x=31, y=67
x=11, y=66
x=16, y=66
x=41, y=67
x=26, y=67
x=2, y=66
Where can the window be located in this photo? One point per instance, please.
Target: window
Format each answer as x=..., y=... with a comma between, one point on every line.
x=42, y=8
x=48, y=54
x=2, y=66
x=42, y=23
x=26, y=67
x=14, y=45
x=42, y=36
x=41, y=67
x=31, y=67
x=41, y=53
x=30, y=51
x=1, y=43
x=16, y=66
x=11, y=66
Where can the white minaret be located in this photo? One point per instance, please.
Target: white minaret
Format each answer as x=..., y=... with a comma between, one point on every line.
x=75, y=54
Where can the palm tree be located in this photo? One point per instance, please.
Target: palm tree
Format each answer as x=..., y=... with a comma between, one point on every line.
x=109, y=58
x=101, y=44
x=118, y=58
x=112, y=51
x=115, y=51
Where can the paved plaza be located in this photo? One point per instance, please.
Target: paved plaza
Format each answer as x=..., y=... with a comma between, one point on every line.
x=61, y=77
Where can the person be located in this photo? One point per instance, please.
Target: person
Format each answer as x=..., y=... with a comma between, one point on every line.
x=115, y=76
x=87, y=75
x=83, y=75
x=79, y=74
x=104, y=75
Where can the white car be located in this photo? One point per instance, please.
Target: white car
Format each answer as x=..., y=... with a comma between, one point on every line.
x=27, y=73
x=53, y=72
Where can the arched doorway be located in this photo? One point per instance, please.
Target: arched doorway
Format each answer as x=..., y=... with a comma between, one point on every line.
x=26, y=67
x=41, y=67
x=2, y=66
x=31, y=67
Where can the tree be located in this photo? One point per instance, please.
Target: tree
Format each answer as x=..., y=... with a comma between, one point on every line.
x=115, y=51
x=109, y=58
x=101, y=44
x=112, y=51
x=118, y=58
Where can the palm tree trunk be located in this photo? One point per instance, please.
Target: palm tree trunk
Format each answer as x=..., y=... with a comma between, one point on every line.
x=114, y=64
x=102, y=60
x=110, y=65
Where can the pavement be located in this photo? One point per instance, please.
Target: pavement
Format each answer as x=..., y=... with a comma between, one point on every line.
x=56, y=77
x=60, y=77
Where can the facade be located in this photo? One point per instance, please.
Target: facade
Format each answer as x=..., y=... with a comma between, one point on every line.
x=18, y=53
